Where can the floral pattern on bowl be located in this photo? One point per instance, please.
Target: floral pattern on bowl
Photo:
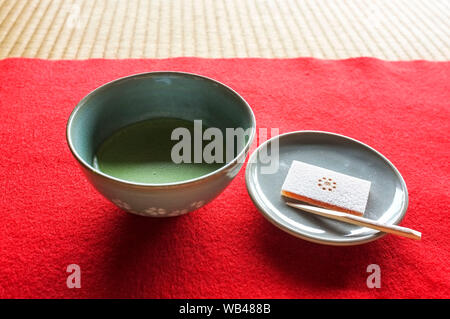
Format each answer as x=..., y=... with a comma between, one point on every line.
x=157, y=211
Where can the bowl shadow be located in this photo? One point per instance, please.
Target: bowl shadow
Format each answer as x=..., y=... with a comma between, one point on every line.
x=132, y=252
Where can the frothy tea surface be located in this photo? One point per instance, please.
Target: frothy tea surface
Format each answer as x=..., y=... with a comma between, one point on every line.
x=141, y=153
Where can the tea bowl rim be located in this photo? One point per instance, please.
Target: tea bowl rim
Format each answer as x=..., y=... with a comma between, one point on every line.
x=188, y=182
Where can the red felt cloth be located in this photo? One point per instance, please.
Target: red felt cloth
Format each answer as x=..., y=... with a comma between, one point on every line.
x=51, y=217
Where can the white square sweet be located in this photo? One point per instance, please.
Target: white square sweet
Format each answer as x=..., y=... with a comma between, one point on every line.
x=326, y=188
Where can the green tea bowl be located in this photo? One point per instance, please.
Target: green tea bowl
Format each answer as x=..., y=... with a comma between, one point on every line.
x=148, y=96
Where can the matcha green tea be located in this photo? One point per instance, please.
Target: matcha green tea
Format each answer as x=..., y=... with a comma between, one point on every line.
x=141, y=153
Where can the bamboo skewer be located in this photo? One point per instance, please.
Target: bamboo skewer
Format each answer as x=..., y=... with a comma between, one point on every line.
x=360, y=221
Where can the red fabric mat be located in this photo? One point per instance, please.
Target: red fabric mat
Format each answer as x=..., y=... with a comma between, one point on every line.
x=51, y=217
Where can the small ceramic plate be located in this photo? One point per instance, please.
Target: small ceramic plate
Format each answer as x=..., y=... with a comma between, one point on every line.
x=388, y=198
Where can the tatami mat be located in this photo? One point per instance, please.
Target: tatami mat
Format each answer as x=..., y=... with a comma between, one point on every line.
x=80, y=29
